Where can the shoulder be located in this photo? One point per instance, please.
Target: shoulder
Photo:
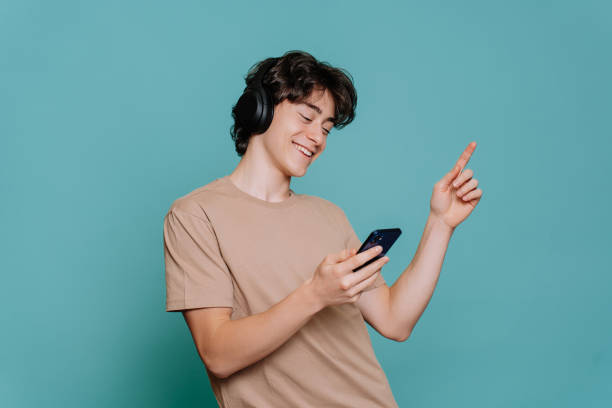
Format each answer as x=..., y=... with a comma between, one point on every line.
x=320, y=202
x=197, y=201
x=325, y=207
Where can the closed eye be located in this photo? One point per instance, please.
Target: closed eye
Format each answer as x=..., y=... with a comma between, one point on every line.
x=307, y=119
x=310, y=120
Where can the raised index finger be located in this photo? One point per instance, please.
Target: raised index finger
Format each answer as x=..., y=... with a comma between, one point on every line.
x=465, y=156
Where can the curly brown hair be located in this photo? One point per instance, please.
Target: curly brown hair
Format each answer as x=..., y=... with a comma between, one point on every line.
x=293, y=77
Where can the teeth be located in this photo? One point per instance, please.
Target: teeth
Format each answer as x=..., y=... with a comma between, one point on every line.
x=303, y=150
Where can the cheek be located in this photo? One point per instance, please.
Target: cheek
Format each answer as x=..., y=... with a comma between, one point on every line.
x=322, y=149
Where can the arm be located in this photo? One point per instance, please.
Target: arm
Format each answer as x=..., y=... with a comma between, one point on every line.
x=410, y=294
x=394, y=311
x=226, y=346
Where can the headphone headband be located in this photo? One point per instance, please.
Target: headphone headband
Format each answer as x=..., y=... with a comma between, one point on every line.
x=262, y=71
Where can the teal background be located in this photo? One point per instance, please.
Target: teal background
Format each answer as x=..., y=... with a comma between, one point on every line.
x=109, y=111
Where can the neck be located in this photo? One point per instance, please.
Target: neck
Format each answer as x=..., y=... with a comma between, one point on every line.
x=256, y=175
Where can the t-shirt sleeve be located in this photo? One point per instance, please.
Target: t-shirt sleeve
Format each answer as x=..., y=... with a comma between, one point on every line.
x=352, y=241
x=196, y=274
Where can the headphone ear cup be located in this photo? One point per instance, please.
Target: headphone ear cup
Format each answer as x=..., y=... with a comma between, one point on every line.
x=266, y=112
x=254, y=110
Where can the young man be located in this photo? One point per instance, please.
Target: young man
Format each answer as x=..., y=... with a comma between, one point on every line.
x=263, y=275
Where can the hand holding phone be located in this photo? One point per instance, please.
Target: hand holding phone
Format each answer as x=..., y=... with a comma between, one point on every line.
x=383, y=237
x=333, y=282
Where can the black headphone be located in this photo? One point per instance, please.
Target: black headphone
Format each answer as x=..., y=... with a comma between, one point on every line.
x=255, y=108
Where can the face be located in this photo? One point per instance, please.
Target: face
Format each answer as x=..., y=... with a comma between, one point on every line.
x=298, y=126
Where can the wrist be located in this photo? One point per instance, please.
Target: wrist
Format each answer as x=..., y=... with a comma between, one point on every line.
x=438, y=223
x=310, y=298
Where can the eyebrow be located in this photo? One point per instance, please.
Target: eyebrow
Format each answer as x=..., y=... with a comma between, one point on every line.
x=318, y=110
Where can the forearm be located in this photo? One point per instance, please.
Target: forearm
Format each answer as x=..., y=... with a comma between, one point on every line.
x=242, y=342
x=412, y=291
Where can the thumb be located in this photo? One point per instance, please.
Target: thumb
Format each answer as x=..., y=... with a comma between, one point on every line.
x=351, y=253
x=339, y=256
x=348, y=253
x=449, y=177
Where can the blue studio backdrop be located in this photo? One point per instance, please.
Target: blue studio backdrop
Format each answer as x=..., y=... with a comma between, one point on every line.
x=109, y=111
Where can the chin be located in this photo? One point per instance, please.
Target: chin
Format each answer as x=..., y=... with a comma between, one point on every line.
x=298, y=172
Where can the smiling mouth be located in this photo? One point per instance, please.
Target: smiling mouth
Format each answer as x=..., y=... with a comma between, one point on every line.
x=302, y=150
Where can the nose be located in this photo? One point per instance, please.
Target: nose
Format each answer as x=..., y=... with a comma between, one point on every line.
x=316, y=135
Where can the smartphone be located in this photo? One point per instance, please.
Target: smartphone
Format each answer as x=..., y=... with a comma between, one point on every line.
x=382, y=237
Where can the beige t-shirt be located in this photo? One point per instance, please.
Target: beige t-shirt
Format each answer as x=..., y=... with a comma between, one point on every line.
x=226, y=248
